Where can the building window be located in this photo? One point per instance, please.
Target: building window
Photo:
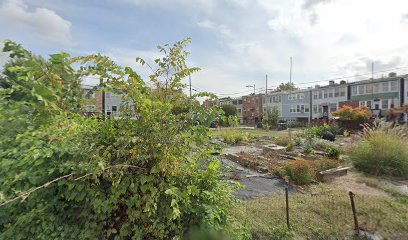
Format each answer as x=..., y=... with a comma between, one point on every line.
x=376, y=88
x=315, y=95
x=333, y=107
x=107, y=95
x=384, y=104
x=114, y=108
x=354, y=90
x=320, y=94
x=394, y=86
x=330, y=93
x=324, y=93
x=292, y=108
x=361, y=89
x=336, y=92
x=307, y=108
x=368, y=104
x=315, y=109
x=385, y=87
x=369, y=89
x=342, y=92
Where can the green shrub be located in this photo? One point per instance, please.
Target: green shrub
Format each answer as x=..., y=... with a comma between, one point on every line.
x=322, y=145
x=297, y=141
x=317, y=131
x=147, y=174
x=282, y=140
x=333, y=153
x=235, y=137
x=346, y=133
x=289, y=147
x=325, y=164
x=301, y=172
x=296, y=124
x=383, y=150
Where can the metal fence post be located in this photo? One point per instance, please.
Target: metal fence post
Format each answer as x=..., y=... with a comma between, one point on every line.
x=287, y=207
x=353, y=207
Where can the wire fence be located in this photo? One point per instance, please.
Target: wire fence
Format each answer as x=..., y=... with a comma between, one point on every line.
x=321, y=215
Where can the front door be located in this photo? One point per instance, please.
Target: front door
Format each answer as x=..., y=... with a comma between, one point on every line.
x=326, y=112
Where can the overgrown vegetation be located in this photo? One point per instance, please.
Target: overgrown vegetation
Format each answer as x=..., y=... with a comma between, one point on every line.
x=273, y=118
x=300, y=172
x=323, y=216
x=147, y=174
x=347, y=113
x=282, y=140
x=235, y=137
x=319, y=131
x=383, y=150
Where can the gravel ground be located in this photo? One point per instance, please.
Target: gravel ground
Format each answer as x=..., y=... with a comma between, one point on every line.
x=256, y=184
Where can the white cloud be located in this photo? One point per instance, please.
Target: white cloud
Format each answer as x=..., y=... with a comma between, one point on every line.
x=219, y=29
x=42, y=21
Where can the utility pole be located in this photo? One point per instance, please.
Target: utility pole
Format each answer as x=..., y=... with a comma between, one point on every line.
x=266, y=100
x=290, y=71
x=253, y=113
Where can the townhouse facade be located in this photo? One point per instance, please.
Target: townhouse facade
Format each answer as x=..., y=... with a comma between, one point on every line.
x=379, y=94
x=296, y=106
x=252, y=109
x=271, y=100
x=328, y=99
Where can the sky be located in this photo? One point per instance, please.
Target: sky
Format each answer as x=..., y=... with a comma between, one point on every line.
x=235, y=42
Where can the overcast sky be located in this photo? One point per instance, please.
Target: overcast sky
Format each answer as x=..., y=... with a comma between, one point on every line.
x=235, y=42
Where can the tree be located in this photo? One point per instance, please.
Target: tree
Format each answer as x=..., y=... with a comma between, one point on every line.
x=148, y=174
x=289, y=86
x=229, y=110
x=273, y=118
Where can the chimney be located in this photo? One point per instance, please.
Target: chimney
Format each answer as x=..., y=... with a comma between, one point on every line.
x=392, y=74
x=331, y=83
x=342, y=82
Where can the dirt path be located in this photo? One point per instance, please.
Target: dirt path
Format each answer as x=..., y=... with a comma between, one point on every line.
x=350, y=182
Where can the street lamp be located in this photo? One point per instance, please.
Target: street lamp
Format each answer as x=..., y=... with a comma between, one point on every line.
x=253, y=117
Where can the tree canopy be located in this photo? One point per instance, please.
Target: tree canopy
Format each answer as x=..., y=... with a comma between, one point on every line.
x=289, y=86
x=148, y=174
x=229, y=110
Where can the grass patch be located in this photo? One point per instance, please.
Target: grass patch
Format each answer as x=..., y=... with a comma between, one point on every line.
x=383, y=150
x=218, y=133
x=323, y=216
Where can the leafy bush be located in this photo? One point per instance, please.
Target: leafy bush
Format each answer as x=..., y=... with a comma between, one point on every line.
x=333, y=153
x=282, y=140
x=317, y=131
x=235, y=137
x=297, y=141
x=147, y=174
x=383, y=150
x=296, y=124
x=301, y=172
x=322, y=145
x=348, y=113
x=325, y=164
x=273, y=118
x=346, y=133
x=289, y=147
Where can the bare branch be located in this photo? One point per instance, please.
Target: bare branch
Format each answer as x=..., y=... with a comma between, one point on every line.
x=24, y=195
